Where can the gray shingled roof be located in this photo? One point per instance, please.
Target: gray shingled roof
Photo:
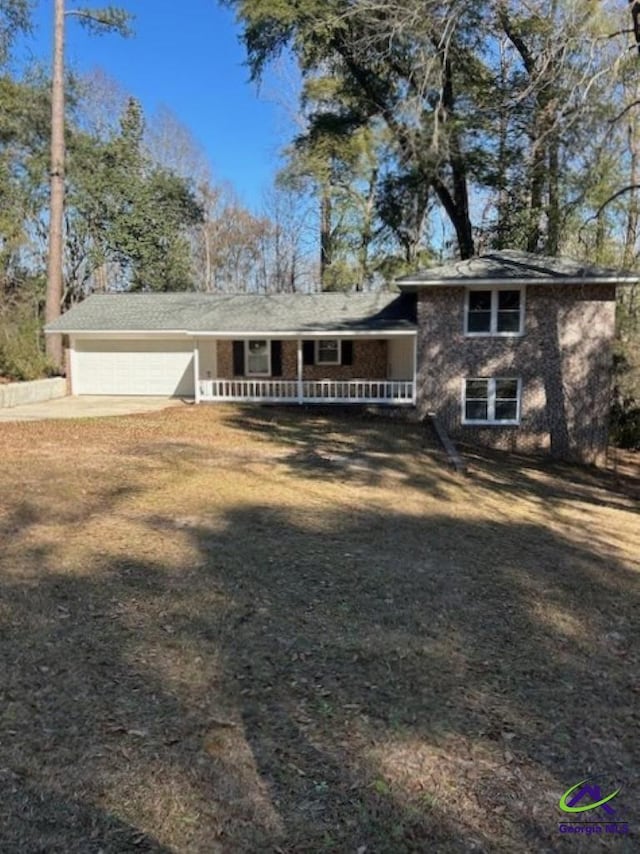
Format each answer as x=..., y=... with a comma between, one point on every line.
x=195, y=312
x=510, y=265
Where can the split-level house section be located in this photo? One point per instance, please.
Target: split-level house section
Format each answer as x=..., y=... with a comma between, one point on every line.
x=514, y=351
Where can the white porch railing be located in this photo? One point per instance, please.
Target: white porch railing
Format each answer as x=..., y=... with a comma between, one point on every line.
x=357, y=391
x=251, y=391
x=308, y=391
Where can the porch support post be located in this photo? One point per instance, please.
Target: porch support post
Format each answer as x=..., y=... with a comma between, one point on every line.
x=300, y=366
x=196, y=368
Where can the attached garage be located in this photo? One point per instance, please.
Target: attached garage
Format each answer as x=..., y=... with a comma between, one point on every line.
x=119, y=366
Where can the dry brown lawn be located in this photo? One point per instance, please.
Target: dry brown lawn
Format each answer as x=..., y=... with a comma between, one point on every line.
x=228, y=630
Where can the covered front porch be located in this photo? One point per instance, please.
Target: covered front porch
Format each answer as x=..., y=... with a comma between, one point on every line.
x=322, y=369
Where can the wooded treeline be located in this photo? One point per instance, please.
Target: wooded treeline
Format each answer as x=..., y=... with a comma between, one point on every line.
x=142, y=209
x=427, y=129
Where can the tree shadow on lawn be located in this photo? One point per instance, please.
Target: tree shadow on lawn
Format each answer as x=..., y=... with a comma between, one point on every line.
x=552, y=481
x=36, y=820
x=393, y=682
x=27, y=513
x=99, y=746
x=358, y=446
x=364, y=447
x=465, y=674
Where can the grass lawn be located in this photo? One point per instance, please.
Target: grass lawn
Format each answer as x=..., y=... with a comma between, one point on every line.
x=255, y=630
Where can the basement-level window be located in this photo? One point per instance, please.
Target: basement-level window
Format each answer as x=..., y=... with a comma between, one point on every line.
x=499, y=311
x=494, y=400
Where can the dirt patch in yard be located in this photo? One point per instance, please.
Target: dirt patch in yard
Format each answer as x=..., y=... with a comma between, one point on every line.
x=227, y=629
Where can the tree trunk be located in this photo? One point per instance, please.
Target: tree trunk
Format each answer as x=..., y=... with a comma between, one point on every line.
x=503, y=212
x=601, y=227
x=206, y=243
x=101, y=278
x=553, y=211
x=459, y=213
x=464, y=229
x=54, y=263
x=326, y=240
x=631, y=234
x=366, y=234
x=536, y=184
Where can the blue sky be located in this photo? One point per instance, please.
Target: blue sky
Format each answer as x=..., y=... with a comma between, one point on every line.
x=185, y=56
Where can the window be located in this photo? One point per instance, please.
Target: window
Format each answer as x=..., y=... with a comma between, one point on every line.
x=491, y=401
x=258, y=358
x=328, y=351
x=495, y=312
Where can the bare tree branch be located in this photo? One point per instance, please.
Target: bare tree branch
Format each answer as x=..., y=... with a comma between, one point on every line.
x=628, y=189
x=623, y=112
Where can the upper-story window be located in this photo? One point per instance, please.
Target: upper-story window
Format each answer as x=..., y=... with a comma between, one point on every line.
x=499, y=311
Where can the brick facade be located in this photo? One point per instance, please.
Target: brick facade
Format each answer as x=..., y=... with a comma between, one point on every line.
x=563, y=359
x=369, y=362
x=225, y=360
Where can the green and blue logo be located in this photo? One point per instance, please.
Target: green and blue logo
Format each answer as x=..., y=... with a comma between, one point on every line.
x=587, y=796
x=582, y=790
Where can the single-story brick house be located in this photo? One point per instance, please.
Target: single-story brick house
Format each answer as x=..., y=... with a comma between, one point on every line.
x=508, y=349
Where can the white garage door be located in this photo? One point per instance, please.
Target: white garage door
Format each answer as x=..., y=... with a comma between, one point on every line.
x=147, y=367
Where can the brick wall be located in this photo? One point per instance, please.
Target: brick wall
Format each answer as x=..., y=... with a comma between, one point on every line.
x=563, y=359
x=369, y=362
x=225, y=360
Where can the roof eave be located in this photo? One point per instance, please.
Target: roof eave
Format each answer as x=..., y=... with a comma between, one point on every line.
x=410, y=285
x=49, y=331
x=340, y=332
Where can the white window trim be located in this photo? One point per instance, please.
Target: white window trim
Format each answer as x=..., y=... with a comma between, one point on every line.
x=316, y=355
x=491, y=403
x=493, y=330
x=249, y=373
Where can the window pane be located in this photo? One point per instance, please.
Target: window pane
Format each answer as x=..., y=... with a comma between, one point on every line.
x=479, y=321
x=509, y=300
x=477, y=389
x=479, y=300
x=507, y=388
x=476, y=410
x=508, y=321
x=328, y=350
x=506, y=410
x=258, y=357
x=258, y=365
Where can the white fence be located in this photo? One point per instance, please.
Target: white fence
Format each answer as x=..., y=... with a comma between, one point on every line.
x=308, y=391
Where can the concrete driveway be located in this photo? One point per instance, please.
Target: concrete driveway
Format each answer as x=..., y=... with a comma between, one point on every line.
x=87, y=407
